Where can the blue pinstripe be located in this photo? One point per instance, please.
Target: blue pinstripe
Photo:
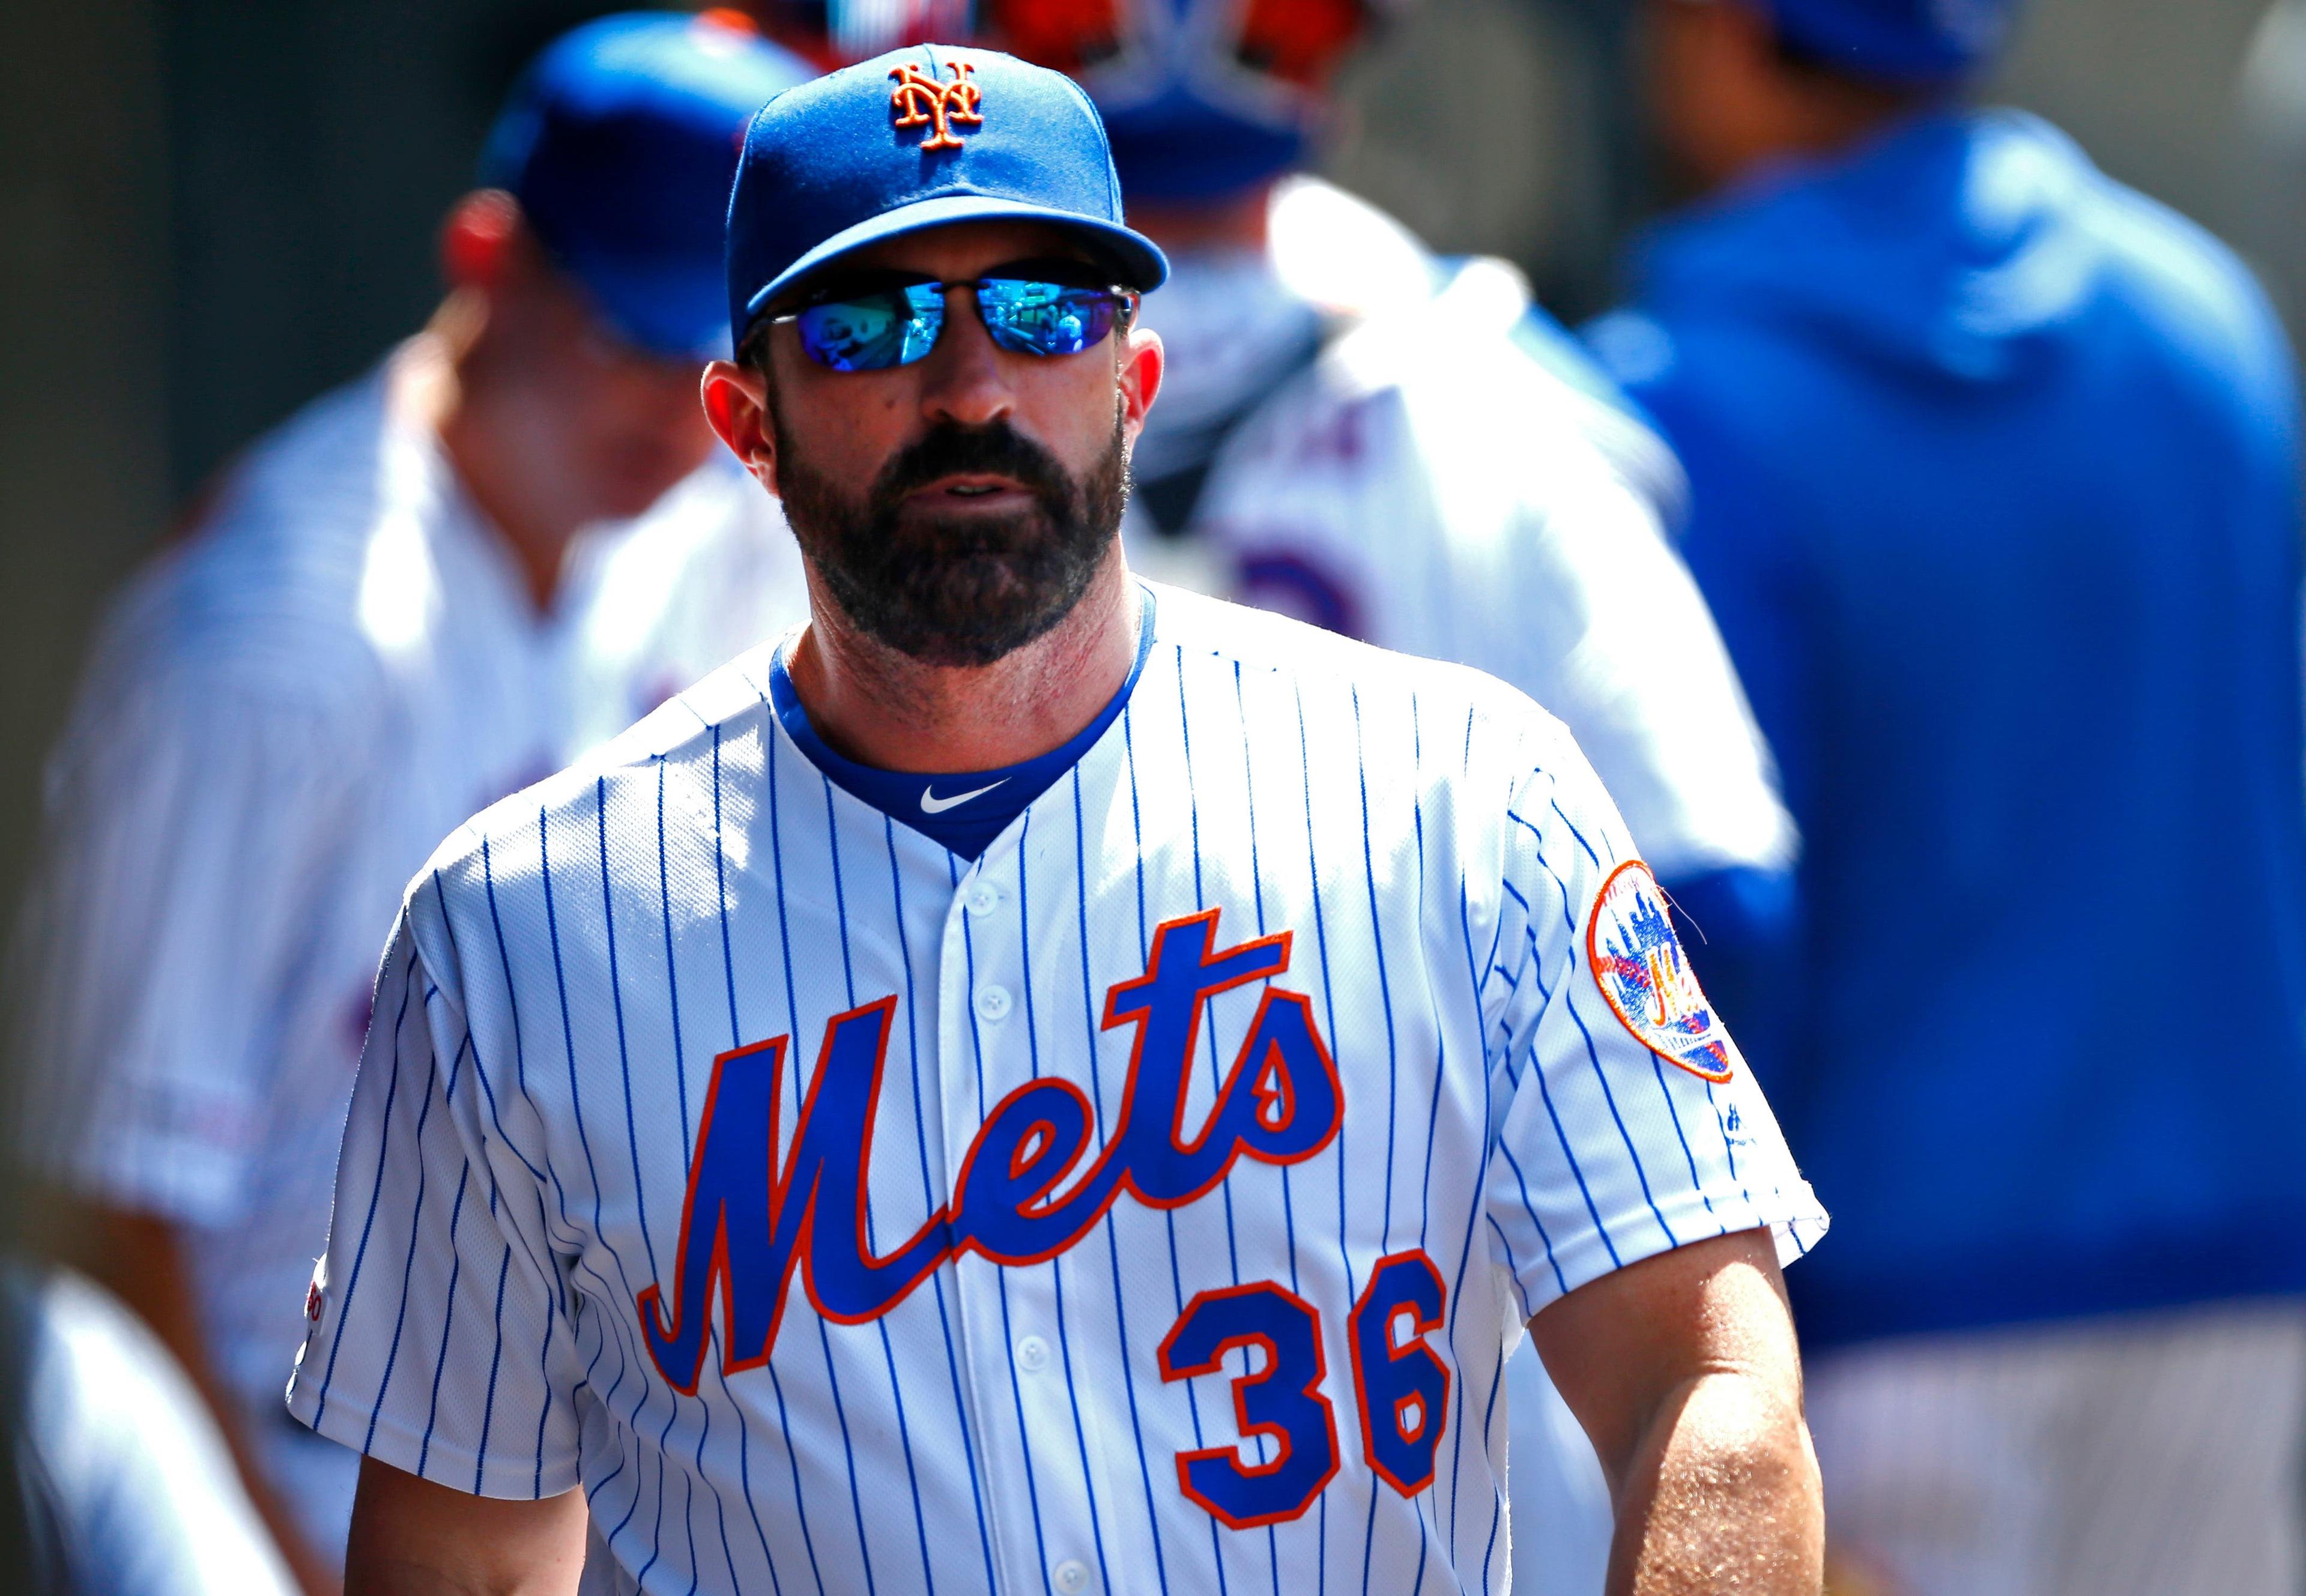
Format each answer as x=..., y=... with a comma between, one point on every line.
x=896, y=1389
x=447, y=1317
x=736, y=1035
x=1056, y=1265
x=792, y=1028
x=1001, y=1284
x=633, y=1145
x=745, y=1478
x=1497, y=1497
x=1168, y=1217
x=1336, y=1044
x=408, y=1263
x=624, y=1053
x=1209, y=1015
x=1592, y=1055
x=1123, y=1346
x=1257, y=897
x=929, y=1197
x=1392, y=1065
x=368, y=1223
x=576, y=1115
x=1657, y=1067
x=496, y=1359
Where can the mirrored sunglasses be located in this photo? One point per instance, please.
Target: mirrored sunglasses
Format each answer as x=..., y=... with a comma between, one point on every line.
x=878, y=329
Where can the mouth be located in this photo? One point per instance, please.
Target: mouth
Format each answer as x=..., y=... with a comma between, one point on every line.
x=974, y=491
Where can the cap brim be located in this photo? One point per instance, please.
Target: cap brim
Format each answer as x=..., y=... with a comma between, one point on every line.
x=1143, y=266
x=672, y=313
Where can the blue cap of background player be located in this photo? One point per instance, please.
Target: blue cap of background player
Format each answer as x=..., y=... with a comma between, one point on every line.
x=619, y=142
x=1897, y=41
x=920, y=138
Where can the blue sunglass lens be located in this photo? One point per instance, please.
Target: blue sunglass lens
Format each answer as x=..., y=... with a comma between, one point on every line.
x=873, y=331
x=1045, y=318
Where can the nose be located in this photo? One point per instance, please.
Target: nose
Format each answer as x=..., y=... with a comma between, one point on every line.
x=966, y=378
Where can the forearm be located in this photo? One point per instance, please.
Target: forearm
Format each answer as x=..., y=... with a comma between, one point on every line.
x=413, y=1537
x=1723, y=1497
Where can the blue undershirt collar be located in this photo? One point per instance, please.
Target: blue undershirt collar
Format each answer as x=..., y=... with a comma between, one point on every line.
x=967, y=810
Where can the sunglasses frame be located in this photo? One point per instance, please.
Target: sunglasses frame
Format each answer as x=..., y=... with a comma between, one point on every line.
x=1125, y=301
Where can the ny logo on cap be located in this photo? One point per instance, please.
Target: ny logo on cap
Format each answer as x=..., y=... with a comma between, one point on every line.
x=921, y=99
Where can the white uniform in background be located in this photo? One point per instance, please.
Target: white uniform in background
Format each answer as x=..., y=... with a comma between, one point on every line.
x=282, y=717
x=1407, y=474
x=129, y=1487
x=710, y=571
x=734, y=1152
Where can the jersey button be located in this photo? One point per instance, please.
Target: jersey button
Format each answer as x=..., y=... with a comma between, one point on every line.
x=983, y=898
x=1072, y=1577
x=993, y=1004
x=1033, y=1356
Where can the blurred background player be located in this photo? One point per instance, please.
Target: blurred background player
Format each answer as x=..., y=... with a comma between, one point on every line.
x=1994, y=488
x=1401, y=449
x=114, y=1479
x=385, y=619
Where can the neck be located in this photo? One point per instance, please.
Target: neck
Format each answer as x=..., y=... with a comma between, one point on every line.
x=1831, y=117
x=452, y=391
x=883, y=708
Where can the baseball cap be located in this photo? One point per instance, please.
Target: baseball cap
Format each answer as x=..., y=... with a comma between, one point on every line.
x=1900, y=41
x=923, y=137
x=619, y=142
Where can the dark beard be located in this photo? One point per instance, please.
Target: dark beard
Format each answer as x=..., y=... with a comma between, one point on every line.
x=968, y=590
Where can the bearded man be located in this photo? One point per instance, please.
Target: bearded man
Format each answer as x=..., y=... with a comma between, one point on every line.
x=804, y=1100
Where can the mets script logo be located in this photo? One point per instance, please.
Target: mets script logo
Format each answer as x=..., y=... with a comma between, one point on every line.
x=923, y=99
x=1638, y=964
x=1029, y=1189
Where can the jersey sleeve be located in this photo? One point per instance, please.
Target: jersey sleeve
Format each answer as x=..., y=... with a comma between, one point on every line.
x=440, y=1337
x=1629, y=1123
x=192, y=829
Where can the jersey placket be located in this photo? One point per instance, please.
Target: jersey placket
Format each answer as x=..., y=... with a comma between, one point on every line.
x=992, y=1040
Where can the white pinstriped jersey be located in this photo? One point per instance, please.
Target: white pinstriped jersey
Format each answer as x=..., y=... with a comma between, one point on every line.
x=281, y=717
x=1147, y=1206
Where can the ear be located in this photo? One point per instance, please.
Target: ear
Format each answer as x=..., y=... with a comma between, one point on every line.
x=736, y=404
x=1142, y=361
x=478, y=240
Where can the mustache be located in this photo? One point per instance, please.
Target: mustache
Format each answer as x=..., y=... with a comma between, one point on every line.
x=993, y=450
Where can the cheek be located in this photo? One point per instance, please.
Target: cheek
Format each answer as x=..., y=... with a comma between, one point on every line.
x=627, y=441
x=848, y=425
x=1077, y=415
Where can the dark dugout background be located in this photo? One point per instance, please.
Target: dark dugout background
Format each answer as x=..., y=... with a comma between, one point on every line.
x=213, y=210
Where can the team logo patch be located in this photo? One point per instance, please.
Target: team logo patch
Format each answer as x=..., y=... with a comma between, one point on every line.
x=1638, y=964
x=923, y=99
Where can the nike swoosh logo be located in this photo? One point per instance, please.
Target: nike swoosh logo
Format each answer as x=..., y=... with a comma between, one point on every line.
x=933, y=805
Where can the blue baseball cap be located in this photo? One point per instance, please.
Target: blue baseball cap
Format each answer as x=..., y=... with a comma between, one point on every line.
x=923, y=137
x=619, y=142
x=1898, y=41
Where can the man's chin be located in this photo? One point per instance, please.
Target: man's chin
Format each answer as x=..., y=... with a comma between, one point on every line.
x=973, y=613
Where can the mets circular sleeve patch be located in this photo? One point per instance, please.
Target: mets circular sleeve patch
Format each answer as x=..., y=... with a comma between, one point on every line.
x=1644, y=977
